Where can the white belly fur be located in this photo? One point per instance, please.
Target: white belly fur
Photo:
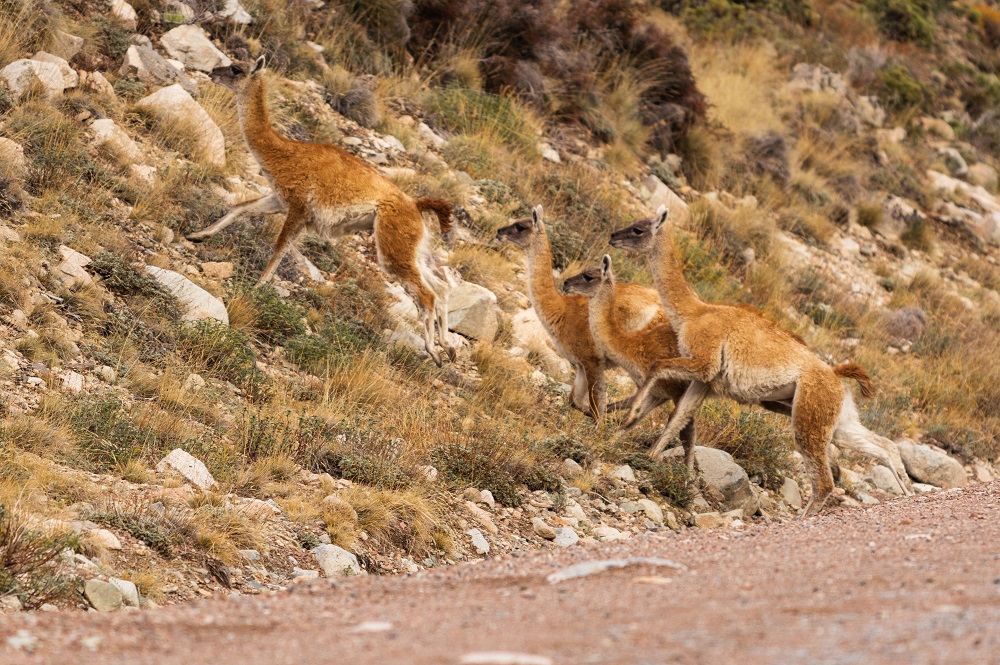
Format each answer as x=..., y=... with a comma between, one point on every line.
x=336, y=222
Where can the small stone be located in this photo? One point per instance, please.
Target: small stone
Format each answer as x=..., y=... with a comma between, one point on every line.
x=103, y=596
x=193, y=383
x=883, y=479
x=102, y=539
x=71, y=271
x=429, y=472
x=472, y=494
x=671, y=521
x=174, y=104
x=932, y=465
x=252, y=556
x=302, y=574
x=352, y=141
x=482, y=516
x=72, y=382
x=129, y=592
x=125, y=14
x=95, y=82
x=651, y=509
x=486, y=497
x=570, y=468
x=549, y=153
x=707, y=520
x=542, y=529
x=21, y=76
x=9, y=604
x=427, y=134
x=191, y=468
x=479, y=541
x=199, y=303
x=70, y=78
x=107, y=374
x=606, y=534
x=565, y=537
x=623, y=473
x=191, y=45
x=790, y=493
x=630, y=507
x=336, y=561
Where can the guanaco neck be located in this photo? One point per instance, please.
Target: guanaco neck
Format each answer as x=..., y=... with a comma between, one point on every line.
x=677, y=298
x=542, y=291
x=255, y=121
x=603, y=306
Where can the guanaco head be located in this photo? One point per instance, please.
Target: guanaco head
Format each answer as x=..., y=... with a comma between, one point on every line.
x=590, y=282
x=524, y=231
x=234, y=75
x=641, y=236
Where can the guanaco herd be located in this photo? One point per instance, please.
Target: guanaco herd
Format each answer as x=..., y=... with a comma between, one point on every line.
x=673, y=345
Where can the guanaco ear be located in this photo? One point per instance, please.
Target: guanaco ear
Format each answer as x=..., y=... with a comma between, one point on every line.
x=661, y=217
x=605, y=267
x=536, y=217
x=258, y=66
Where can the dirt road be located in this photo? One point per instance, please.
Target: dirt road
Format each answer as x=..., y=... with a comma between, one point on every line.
x=913, y=581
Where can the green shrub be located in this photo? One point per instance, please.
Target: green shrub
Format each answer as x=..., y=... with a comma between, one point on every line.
x=123, y=278
x=107, y=436
x=919, y=235
x=113, y=37
x=485, y=464
x=904, y=20
x=29, y=568
x=225, y=351
x=360, y=452
x=900, y=91
x=130, y=88
x=275, y=318
x=467, y=111
x=670, y=479
x=157, y=531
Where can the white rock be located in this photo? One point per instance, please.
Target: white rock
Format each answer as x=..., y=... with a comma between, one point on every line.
x=486, y=497
x=953, y=160
x=72, y=382
x=95, y=82
x=113, y=140
x=473, y=311
x=125, y=14
x=12, y=159
x=336, y=561
x=191, y=468
x=529, y=333
x=143, y=174
x=656, y=193
x=190, y=45
x=103, y=596
x=70, y=78
x=606, y=534
x=427, y=134
x=145, y=64
x=565, y=537
x=790, y=493
x=20, y=75
x=71, y=271
x=549, y=153
x=983, y=175
x=623, y=473
x=817, y=78
x=200, y=304
x=931, y=465
x=897, y=214
x=102, y=539
x=130, y=594
x=651, y=509
x=571, y=468
x=883, y=479
x=479, y=541
x=870, y=110
x=234, y=12
x=174, y=104
x=10, y=604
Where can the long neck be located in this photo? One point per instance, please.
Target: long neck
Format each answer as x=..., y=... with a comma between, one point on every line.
x=255, y=121
x=603, y=306
x=677, y=298
x=541, y=284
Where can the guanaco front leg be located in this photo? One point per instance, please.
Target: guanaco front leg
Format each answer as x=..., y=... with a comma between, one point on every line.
x=271, y=203
x=673, y=369
x=684, y=411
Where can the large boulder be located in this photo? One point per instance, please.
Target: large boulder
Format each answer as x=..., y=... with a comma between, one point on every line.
x=125, y=14
x=656, y=193
x=174, y=105
x=70, y=78
x=931, y=465
x=95, y=82
x=200, y=304
x=473, y=311
x=190, y=45
x=190, y=467
x=66, y=45
x=70, y=272
x=113, y=140
x=529, y=334
x=21, y=75
x=103, y=596
x=721, y=473
x=234, y=12
x=145, y=64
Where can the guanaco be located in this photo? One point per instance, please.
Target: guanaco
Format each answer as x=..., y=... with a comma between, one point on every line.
x=329, y=192
x=736, y=352
x=566, y=317
x=635, y=351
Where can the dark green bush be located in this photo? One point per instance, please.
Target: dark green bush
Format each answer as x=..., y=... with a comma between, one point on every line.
x=905, y=20
x=29, y=568
x=107, y=436
x=276, y=318
x=900, y=91
x=123, y=278
x=225, y=351
x=480, y=465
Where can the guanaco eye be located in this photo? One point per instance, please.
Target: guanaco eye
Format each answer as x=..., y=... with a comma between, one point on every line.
x=637, y=232
x=588, y=278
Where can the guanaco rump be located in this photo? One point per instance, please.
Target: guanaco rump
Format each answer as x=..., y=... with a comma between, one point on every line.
x=566, y=317
x=329, y=192
x=736, y=352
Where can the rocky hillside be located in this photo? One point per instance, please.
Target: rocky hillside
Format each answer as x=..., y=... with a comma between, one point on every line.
x=172, y=431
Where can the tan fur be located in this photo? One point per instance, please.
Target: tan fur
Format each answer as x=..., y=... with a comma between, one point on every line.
x=731, y=352
x=566, y=317
x=856, y=372
x=635, y=351
x=328, y=192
